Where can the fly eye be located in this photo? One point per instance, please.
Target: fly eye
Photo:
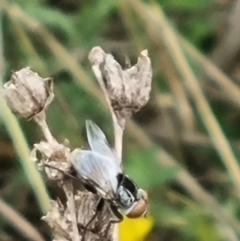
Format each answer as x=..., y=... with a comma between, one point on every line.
x=139, y=210
x=143, y=195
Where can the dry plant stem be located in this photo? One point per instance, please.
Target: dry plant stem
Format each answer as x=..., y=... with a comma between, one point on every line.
x=20, y=144
x=184, y=108
x=82, y=79
x=31, y=51
x=171, y=42
x=19, y=222
x=231, y=90
x=118, y=135
x=23, y=152
x=67, y=184
x=98, y=74
x=68, y=189
x=228, y=47
x=227, y=233
x=228, y=87
x=208, y=118
x=187, y=181
x=56, y=48
x=118, y=130
x=41, y=120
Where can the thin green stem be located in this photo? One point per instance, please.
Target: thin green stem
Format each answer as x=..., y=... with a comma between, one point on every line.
x=23, y=152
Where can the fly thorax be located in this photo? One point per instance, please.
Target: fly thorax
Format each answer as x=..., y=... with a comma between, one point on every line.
x=125, y=197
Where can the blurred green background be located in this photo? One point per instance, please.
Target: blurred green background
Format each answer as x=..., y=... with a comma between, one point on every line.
x=183, y=146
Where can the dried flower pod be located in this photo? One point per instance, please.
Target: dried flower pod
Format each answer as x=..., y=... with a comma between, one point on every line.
x=128, y=89
x=27, y=94
x=52, y=158
x=60, y=219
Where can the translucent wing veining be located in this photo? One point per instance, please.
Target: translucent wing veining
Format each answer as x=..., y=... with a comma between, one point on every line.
x=98, y=142
x=96, y=169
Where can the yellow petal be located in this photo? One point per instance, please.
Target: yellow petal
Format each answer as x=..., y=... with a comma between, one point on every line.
x=135, y=229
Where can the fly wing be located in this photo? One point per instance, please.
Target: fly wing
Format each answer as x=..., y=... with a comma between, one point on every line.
x=98, y=142
x=97, y=170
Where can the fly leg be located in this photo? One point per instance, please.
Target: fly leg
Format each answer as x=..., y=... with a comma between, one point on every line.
x=99, y=208
x=119, y=217
x=58, y=169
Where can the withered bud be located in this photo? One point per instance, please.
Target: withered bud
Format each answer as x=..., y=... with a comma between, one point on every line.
x=53, y=158
x=128, y=89
x=27, y=94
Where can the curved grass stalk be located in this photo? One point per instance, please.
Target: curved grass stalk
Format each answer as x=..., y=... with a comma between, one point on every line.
x=23, y=152
x=155, y=19
x=19, y=222
x=21, y=146
x=227, y=85
x=82, y=79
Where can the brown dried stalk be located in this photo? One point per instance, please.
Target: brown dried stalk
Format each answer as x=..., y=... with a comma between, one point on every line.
x=28, y=96
x=126, y=91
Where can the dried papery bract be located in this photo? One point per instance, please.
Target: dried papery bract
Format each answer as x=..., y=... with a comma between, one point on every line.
x=27, y=94
x=128, y=90
x=53, y=158
x=59, y=218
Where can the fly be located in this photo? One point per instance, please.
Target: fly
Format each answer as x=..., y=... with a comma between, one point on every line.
x=100, y=171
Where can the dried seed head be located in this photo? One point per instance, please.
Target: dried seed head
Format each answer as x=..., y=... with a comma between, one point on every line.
x=27, y=94
x=128, y=89
x=53, y=158
x=59, y=220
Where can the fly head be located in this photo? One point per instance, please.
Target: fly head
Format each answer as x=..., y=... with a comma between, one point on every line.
x=127, y=191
